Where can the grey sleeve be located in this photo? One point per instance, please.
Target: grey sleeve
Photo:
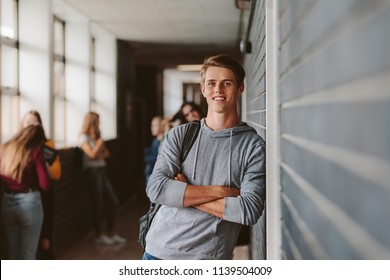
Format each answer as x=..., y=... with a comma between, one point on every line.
x=248, y=206
x=162, y=188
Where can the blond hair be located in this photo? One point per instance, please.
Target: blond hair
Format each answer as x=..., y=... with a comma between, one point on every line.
x=91, y=125
x=36, y=114
x=225, y=61
x=16, y=153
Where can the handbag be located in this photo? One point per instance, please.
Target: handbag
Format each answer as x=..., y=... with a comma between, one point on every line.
x=145, y=221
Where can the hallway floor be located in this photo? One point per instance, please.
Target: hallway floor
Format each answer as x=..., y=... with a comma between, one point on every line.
x=127, y=227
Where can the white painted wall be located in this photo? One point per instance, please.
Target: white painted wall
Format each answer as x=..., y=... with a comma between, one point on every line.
x=105, y=87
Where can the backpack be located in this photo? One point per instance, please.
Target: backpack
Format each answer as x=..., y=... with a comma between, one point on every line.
x=146, y=220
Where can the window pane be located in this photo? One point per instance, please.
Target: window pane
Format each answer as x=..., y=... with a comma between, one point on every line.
x=9, y=19
x=59, y=78
x=59, y=38
x=9, y=67
x=10, y=122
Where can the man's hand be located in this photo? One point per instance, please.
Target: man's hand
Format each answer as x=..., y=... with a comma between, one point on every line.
x=209, y=199
x=198, y=195
x=180, y=177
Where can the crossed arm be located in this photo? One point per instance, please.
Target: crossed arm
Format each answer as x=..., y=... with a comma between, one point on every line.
x=209, y=199
x=98, y=151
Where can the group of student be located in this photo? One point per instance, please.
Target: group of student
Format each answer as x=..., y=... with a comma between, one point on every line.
x=29, y=163
x=204, y=199
x=189, y=111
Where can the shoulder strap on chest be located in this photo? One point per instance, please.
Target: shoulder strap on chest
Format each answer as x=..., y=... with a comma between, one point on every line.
x=189, y=138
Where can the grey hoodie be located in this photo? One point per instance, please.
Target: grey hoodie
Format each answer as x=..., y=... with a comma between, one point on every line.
x=231, y=157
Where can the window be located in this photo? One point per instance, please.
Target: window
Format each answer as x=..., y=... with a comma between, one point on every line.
x=9, y=80
x=59, y=98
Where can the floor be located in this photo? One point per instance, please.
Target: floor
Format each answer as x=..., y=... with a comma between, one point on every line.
x=127, y=227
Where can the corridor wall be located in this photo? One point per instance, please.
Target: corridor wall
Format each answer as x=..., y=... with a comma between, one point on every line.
x=332, y=105
x=89, y=64
x=254, y=102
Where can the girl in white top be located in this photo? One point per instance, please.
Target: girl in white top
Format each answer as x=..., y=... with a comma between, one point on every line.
x=94, y=154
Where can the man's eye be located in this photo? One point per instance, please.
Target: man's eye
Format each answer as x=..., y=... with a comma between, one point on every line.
x=228, y=84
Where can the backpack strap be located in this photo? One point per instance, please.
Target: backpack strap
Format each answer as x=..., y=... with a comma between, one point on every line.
x=145, y=221
x=189, y=139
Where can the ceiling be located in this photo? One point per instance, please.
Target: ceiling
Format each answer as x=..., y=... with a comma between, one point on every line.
x=179, y=31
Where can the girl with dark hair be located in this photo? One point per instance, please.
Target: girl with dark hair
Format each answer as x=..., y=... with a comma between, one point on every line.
x=188, y=112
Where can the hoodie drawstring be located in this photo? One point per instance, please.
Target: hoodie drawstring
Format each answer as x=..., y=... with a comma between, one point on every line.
x=230, y=156
x=197, y=151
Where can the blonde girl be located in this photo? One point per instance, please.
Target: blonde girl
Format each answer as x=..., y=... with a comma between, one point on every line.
x=94, y=163
x=23, y=173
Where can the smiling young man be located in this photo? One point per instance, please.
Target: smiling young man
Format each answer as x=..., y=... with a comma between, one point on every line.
x=219, y=186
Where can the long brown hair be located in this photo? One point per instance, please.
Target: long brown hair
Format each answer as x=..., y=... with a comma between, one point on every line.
x=16, y=153
x=36, y=114
x=91, y=125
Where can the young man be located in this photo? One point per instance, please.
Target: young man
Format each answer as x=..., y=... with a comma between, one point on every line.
x=219, y=186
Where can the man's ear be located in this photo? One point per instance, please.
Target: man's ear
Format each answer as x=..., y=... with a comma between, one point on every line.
x=202, y=89
x=241, y=89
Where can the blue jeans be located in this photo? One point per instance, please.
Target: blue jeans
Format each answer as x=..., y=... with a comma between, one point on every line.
x=149, y=257
x=22, y=218
x=101, y=191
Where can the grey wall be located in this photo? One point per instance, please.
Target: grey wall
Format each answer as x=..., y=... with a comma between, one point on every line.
x=334, y=106
x=255, y=106
x=334, y=97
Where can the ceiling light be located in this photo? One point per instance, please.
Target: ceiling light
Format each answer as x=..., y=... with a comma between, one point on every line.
x=189, y=67
x=243, y=4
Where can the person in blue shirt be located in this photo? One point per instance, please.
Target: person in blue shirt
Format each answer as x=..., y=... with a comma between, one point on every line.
x=157, y=131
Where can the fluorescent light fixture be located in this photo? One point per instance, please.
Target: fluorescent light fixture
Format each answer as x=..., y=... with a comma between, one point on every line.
x=189, y=67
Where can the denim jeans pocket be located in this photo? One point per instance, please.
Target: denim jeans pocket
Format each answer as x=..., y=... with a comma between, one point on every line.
x=148, y=257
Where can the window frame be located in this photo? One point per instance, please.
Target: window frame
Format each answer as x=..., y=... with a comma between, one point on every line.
x=59, y=92
x=92, y=91
x=10, y=91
